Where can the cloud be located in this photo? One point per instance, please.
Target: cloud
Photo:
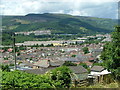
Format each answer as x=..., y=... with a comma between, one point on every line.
x=78, y=13
x=60, y=12
x=96, y=8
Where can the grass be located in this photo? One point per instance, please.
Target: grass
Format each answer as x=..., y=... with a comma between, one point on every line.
x=13, y=27
x=111, y=85
x=22, y=21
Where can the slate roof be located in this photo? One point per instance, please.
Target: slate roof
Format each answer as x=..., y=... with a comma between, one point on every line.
x=54, y=64
x=78, y=69
x=96, y=50
x=71, y=59
x=97, y=68
x=38, y=71
x=81, y=57
x=46, y=63
x=75, y=69
x=26, y=64
x=42, y=63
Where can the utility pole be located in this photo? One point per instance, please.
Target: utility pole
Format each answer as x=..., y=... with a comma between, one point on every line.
x=14, y=50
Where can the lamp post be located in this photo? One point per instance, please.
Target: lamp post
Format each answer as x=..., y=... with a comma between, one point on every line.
x=14, y=51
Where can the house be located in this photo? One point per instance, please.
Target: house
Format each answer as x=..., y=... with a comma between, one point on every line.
x=1, y=50
x=82, y=57
x=88, y=63
x=99, y=73
x=99, y=70
x=26, y=64
x=79, y=58
x=39, y=70
x=96, y=70
x=10, y=50
x=79, y=73
x=57, y=44
x=71, y=59
x=95, y=51
x=45, y=64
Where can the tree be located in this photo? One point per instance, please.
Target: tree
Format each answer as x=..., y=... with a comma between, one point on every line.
x=19, y=79
x=85, y=50
x=73, y=56
x=111, y=54
x=18, y=54
x=62, y=74
x=84, y=65
x=22, y=47
x=49, y=45
x=42, y=45
x=5, y=68
x=57, y=78
x=69, y=63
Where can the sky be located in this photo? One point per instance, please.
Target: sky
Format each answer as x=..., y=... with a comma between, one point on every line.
x=93, y=8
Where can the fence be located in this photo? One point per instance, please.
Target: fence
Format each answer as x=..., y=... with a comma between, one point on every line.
x=106, y=79
x=80, y=83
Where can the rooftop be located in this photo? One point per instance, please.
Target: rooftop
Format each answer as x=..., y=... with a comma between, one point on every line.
x=97, y=68
x=78, y=69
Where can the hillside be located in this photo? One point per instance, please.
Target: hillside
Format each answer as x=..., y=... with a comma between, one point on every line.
x=58, y=23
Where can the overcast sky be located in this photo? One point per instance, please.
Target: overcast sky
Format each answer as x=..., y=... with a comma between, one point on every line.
x=93, y=8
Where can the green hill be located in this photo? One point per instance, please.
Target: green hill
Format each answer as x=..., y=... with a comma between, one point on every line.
x=56, y=23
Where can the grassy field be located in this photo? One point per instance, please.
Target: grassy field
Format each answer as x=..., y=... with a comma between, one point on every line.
x=111, y=85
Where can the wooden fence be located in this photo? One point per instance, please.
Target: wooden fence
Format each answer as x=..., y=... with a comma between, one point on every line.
x=80, y=83
x=106, y=79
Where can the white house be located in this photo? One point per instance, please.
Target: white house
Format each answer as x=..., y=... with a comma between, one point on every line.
x=99, y=73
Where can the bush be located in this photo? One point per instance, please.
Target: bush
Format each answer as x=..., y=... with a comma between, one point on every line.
x=69, y=63
x=62, y=74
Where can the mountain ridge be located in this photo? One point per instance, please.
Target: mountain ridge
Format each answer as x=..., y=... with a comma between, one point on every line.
x=58, y=23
